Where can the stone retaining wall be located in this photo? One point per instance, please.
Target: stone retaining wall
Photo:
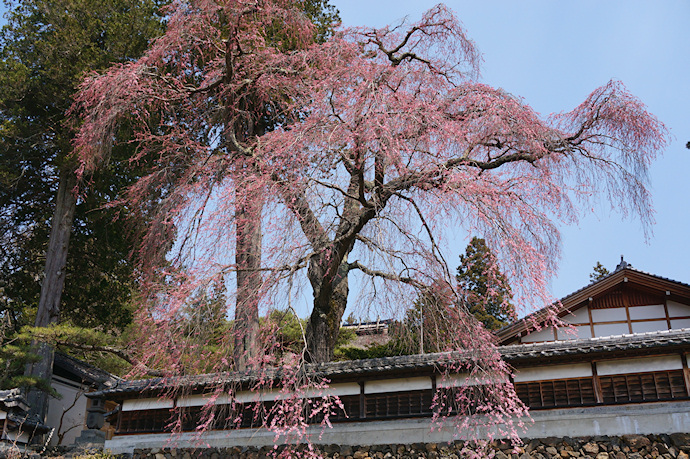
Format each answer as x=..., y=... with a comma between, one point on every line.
x=673, y=446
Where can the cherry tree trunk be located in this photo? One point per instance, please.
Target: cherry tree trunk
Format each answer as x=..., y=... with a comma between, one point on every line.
x=248, y=261
x=53, y=283
x=330, y=301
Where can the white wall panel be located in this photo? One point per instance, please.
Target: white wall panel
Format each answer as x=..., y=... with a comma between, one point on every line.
x=613, y=367
x=276, y=394
x=464, y=379
x=454, y=380
x=655, y=311
x=608, y=315
x=246, y=396
x=72, y=405
x=677, y=310
x=203, y=400
x=581, y=331
x=644, y=327
x=397, y=385
x=578, y=370
x=544, y=335
x=263, y=396
x=146, y=404
x=680, y=323
x=610, y=329
x=578, y=316
x=335, y=389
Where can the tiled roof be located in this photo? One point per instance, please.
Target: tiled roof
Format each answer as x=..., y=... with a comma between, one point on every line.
x=16, y=406
x=28, y=422
x=421, y=362
x=13, y=398
x=601, y=345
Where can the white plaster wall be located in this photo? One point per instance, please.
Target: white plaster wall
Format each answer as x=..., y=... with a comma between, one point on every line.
x=146, y=404
x=203, y=400
x=397, y=385
x=336, y=390
x=465, y=379
x=608, y=315
x=75, y=416
x=579, y=316
x=537, y=336
x=576, y=332
x=680, y=323
x=655, y=311
x=452, y=380
x=577, y=370
x=644, y=327
x=247, y=396
x=275, y=394
x=613, y=367
x=676, y=309
x=610, y=329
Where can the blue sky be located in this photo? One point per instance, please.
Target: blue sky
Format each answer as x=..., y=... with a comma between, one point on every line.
x=553, y=54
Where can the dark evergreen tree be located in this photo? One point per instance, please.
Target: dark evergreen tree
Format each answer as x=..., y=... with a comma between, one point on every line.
x=50, y=237
x=485, y=289
x=599, y=272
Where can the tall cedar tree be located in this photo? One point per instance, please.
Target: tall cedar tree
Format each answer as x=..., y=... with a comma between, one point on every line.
x=384, y=136
x=48, y=235
x=485, y=290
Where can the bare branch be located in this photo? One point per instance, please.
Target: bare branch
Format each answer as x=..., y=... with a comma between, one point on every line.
x=388, y=276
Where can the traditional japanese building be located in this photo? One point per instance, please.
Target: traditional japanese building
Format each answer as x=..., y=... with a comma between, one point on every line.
x=73, y=379
x=617, y=365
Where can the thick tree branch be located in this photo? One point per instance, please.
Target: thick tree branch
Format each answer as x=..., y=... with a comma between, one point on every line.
x=388, y=276
x=297, y=202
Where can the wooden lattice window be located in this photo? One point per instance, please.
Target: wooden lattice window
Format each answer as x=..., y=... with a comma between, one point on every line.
x=351, y=413
x=640, y=387
x=557, y=393
x=148, y=421
x=399, y=404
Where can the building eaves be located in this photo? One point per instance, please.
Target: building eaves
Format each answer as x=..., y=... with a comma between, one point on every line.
x=602, y=345
x=28, y=423
x=85, y=371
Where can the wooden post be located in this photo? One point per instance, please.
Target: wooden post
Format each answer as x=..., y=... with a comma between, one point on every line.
x=362, y=401
x=686, y=372
x=119, y=418
x=597, y=384
x=668, y=317
x=589, y=313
